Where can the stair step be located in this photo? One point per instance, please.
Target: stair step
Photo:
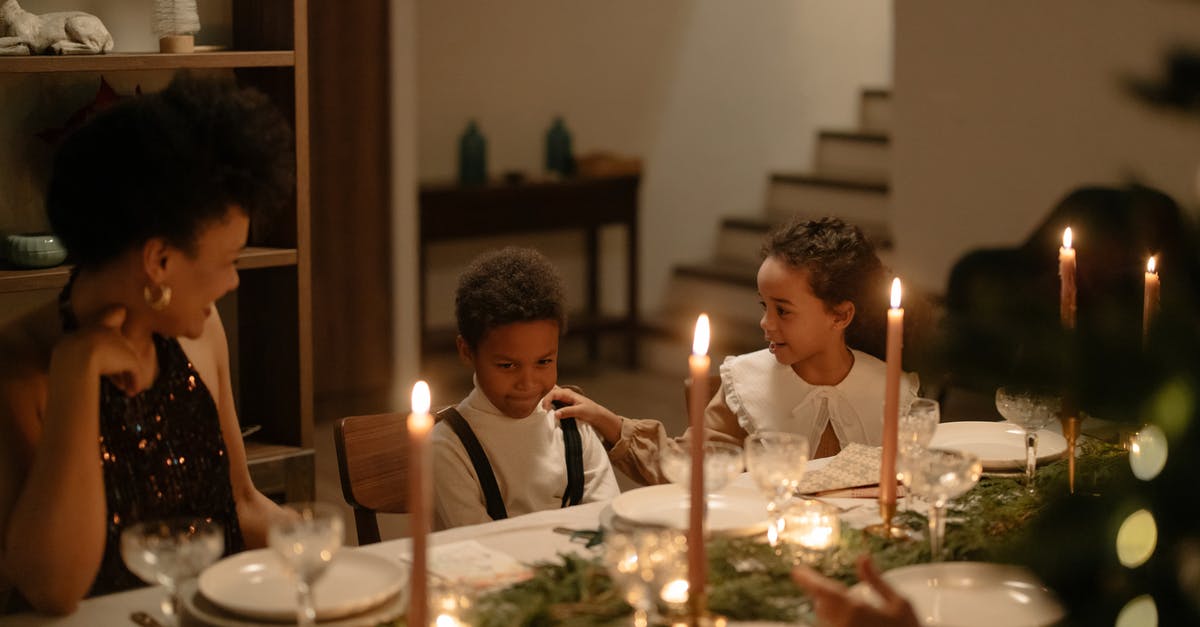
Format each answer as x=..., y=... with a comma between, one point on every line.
x=855, y=153
x=858, y=201
x=724, y=290
x=667, y=338
x=875, y=110
x=740, y=239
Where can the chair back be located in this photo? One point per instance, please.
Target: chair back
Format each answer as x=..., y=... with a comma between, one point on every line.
x=372, y=454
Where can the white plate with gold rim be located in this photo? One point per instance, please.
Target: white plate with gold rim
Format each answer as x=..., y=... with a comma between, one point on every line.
x=256, y=584
x=976, y=594
x=999, y=445
x=732, y=510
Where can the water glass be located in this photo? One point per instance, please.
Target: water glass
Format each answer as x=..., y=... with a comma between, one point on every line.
x=776, y=460
x=171, y=551
x=1032, y=410
x=919, y=422
x=722, y=462
x=938, y=475
x=307, y=536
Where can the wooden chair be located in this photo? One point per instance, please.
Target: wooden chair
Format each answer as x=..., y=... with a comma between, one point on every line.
x=372, y=454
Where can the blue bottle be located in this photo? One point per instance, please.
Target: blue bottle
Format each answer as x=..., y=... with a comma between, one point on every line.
x=559, y=158
x=472, y=156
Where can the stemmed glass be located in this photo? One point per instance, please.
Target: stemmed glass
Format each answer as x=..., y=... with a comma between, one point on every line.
x=170, y=552
x=776, y=461
x=1033, y=410
x=938, y=475
x=641, y=563
x=915, y=430
x=307, y=536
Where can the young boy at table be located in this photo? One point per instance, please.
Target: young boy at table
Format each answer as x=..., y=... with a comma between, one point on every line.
x=499, y=452
x=819, y=284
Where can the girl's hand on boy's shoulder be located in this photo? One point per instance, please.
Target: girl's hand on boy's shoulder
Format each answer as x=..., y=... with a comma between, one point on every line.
x=575, y=405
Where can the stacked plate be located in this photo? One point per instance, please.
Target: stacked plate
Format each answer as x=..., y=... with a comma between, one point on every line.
x=734, y=510
x=253, y=588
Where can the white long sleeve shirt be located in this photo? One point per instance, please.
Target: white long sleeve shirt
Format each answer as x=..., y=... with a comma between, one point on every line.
x=527, y=455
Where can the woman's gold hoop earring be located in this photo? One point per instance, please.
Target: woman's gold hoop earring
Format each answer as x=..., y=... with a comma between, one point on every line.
x=157, y=296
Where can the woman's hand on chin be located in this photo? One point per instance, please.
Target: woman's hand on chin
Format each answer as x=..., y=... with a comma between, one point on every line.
x=102, y=347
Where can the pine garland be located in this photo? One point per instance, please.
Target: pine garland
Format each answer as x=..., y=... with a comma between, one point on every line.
x=749, y=581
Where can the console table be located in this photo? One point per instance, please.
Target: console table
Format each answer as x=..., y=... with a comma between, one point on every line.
x=449, y=212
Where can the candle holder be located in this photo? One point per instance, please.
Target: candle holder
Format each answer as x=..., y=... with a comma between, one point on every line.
x=449, y=606
x=811, y=529
x=887, y=528
x=1070, y=425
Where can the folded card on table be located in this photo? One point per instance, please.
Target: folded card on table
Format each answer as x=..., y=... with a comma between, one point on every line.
x=474, y=564
x=856, y=465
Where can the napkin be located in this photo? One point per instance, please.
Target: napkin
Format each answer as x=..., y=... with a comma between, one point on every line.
x=856, y=465
x=475, y=565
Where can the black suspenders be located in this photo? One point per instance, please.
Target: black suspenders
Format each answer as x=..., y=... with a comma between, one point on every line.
x=573, y=444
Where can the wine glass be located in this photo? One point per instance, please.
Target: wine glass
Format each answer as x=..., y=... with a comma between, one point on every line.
x=171, y=551
x=722, y=462
x=915, y=429
x=1032, y=410
x=307, y=536
x=640, y=563
x=938, y=475
x=776, y=461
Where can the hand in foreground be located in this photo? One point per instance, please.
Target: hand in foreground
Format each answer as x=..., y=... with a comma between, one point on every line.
x=835, y=607
x=582, y=408
x=102, y=346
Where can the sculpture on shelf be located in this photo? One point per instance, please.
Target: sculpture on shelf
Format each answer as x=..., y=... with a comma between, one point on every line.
x=176, y=23
x=65, y=32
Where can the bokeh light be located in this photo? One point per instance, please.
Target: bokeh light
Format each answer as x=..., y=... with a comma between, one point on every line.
x=1140, y=612
x=1148, y=452
x=1137, y=538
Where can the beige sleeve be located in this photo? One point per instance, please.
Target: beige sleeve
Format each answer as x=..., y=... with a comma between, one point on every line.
x=636, y=453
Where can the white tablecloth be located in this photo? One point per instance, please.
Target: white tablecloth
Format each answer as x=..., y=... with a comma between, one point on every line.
x=528, y=538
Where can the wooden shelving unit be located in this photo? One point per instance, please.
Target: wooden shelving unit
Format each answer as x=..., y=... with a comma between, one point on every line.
x=274, y=312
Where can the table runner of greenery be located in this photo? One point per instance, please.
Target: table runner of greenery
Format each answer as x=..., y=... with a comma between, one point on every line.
x=749, y=581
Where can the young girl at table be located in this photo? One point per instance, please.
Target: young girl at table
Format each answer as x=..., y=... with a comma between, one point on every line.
x=500, y=453
x=819, y=284
x=115, y=401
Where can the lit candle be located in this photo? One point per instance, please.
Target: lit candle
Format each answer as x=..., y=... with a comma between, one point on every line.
x=420, y=501
x=891, y=408
x=1150, y=299
x=698, y=365
x=813, y=527
x=1066, y=273
x=675, y=592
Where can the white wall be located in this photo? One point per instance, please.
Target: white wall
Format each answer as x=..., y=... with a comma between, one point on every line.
x=1003, y=107
x=713, y=95
x=405, y=350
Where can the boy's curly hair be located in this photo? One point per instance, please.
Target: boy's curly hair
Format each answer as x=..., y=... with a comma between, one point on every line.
x=166, y=165
x=842, y=266
x=505, y=286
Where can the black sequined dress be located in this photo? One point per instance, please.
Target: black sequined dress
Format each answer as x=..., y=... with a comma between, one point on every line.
x=162, y=453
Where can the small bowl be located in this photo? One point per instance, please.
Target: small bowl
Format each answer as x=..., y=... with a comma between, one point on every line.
x=35, y=250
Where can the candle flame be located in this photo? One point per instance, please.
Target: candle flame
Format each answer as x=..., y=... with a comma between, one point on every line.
x=896, y=293
x=700, y=340
x=1151, y=264
x=1067, y=238
x=420, y=398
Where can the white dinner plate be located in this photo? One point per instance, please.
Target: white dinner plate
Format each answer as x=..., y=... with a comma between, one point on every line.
x=732, y=510
x=999, y=445
x=256, y=584
x=200, y=612
x=976, y=594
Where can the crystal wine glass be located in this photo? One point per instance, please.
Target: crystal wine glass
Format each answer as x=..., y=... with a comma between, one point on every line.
x=722, y=462
x=307, y=536
x=171, y=551
x=776, y=461
x=938, y=475
x=915, y=429
x=1033, y=410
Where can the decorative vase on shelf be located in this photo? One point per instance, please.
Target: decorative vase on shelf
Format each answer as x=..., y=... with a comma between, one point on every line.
x=559, y=158
x=176, y=23
x=472, y=156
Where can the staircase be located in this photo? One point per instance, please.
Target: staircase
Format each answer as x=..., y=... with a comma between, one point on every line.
x=849, y=181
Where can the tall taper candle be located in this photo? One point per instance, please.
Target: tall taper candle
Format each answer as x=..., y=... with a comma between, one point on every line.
x=698, y=365
x=1150, y=298
x=1066, y=274
x=420, y=503
x=891, y=405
